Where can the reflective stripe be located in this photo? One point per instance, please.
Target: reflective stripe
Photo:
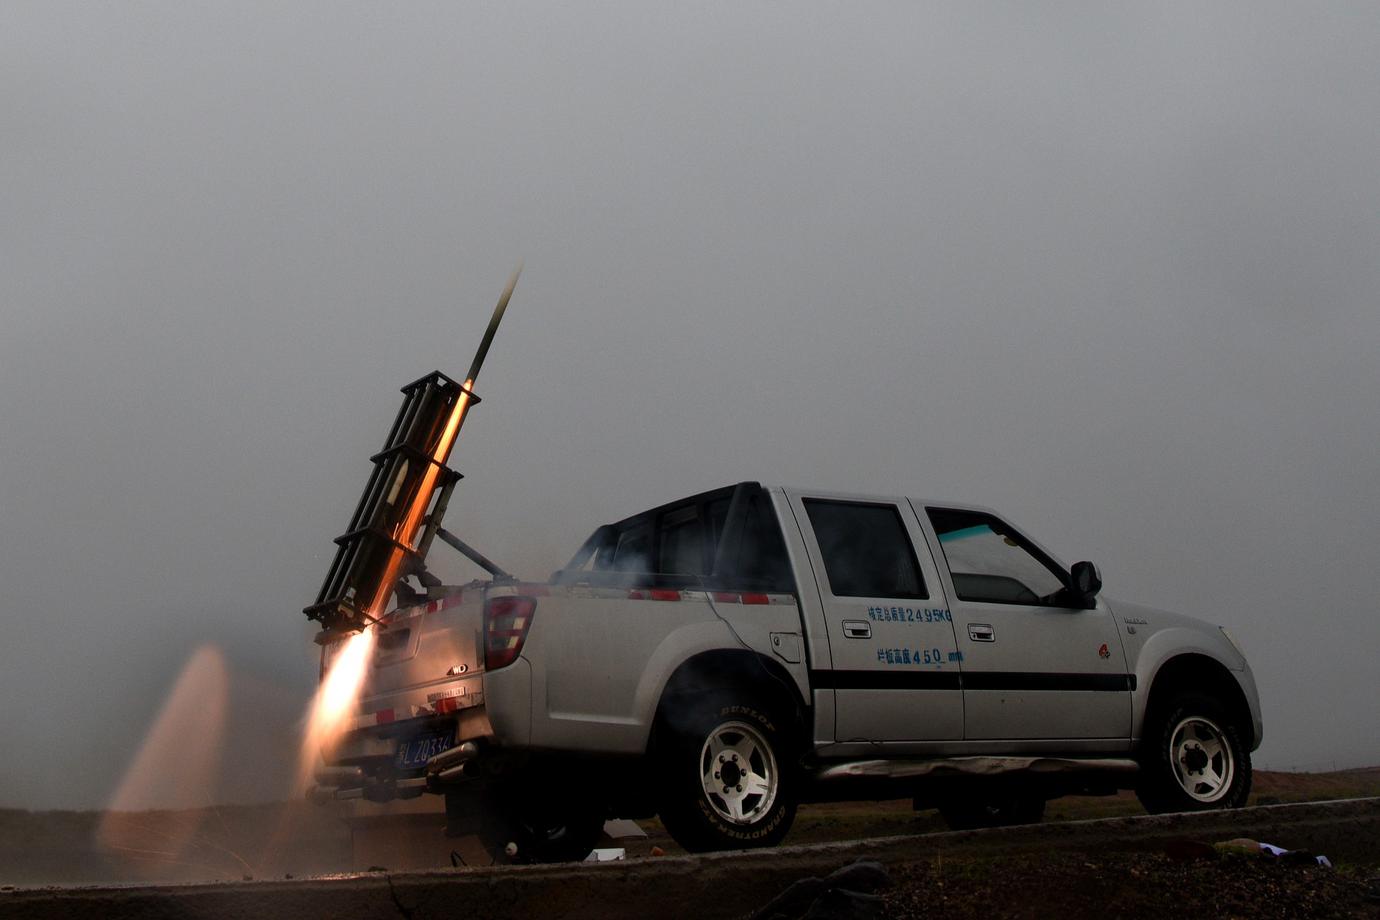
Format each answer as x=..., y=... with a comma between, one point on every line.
x=898, y=679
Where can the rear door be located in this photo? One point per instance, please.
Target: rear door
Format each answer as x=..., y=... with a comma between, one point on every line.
x=894, y=659
x=1034, y=668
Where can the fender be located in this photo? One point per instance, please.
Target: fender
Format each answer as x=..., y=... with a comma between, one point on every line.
x=1161, y=637
x=680, y=646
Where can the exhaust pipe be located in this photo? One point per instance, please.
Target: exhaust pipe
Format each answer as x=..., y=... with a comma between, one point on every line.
x=459, y=755
x=340, y=776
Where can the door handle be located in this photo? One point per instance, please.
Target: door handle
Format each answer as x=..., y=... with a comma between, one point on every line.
x=857, y=629
x=981, y=632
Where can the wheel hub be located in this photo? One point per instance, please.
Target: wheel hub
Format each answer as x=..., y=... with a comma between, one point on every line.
x=739, y=773
x=1202, y=759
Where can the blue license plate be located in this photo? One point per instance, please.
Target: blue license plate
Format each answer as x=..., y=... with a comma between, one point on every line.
x=415, y=752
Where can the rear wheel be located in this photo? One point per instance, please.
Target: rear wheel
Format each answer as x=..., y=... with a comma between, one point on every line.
x=730, y=776
x=1194, y=758
x=524, y=827
x=1003, y=811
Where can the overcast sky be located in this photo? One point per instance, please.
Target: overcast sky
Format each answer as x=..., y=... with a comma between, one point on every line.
x=1114, y=270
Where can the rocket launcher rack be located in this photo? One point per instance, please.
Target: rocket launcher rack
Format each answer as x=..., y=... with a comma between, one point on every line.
x=365, y=549
x=403, y=503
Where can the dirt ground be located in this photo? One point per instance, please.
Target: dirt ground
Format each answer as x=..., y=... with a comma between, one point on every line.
x=859, y=820
x=1107, y=869
x=1143, y=866
x=1097, y=886
x=1140, y=866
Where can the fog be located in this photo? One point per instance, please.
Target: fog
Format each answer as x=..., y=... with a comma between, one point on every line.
x=1111, y=270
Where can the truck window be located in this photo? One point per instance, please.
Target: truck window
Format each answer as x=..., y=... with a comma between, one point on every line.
x=866, y=550
x=991, y=563
x=753, y=556
x=691, y=543
x=633, y=550
x=716, y=512
x=682, y=542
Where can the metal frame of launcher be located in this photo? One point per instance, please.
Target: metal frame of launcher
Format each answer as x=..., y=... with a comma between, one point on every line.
x=374, y=557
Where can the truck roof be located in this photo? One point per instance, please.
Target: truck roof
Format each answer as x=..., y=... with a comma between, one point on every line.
x=876, y=496
x=710, y=494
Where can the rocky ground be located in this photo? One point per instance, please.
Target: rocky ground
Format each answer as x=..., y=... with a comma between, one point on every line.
x=1068, y=867
x=857, y=820
x=1078, y=885
x=1117, y=867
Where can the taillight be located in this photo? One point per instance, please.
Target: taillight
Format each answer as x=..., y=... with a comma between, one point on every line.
x=506, y=621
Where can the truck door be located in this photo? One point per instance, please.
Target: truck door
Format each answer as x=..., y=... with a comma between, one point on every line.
x=1033, y=666
x=894, y=668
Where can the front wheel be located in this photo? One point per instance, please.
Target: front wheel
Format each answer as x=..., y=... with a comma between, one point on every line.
x=1194, y=758
x=730, y=777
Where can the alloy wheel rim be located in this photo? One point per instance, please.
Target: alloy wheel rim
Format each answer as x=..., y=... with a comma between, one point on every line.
x=1202, y=759
x=739, y=773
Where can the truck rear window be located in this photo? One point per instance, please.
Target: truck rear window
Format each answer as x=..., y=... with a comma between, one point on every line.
x=681, y=535
x=728, y=538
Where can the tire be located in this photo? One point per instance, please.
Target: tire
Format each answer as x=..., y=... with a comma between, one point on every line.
x=999, y=812
x=539, y=829
x=1193, y=757
x=730, y=778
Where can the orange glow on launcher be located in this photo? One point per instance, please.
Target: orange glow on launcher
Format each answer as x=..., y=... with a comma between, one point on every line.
x=412, y=522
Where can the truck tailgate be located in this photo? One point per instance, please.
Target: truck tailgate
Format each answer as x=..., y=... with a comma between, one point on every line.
x=428, y=660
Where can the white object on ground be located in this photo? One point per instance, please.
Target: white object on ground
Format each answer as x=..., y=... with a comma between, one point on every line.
x=622, y=828
x=1280, y=851
x=607, y=854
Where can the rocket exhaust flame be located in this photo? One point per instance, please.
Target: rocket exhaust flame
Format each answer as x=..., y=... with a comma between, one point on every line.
x=333, y=707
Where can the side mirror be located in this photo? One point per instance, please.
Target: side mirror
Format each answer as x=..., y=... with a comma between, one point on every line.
x=1084, y=583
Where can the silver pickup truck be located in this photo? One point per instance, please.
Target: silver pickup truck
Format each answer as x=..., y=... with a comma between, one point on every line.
x=717, y=660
